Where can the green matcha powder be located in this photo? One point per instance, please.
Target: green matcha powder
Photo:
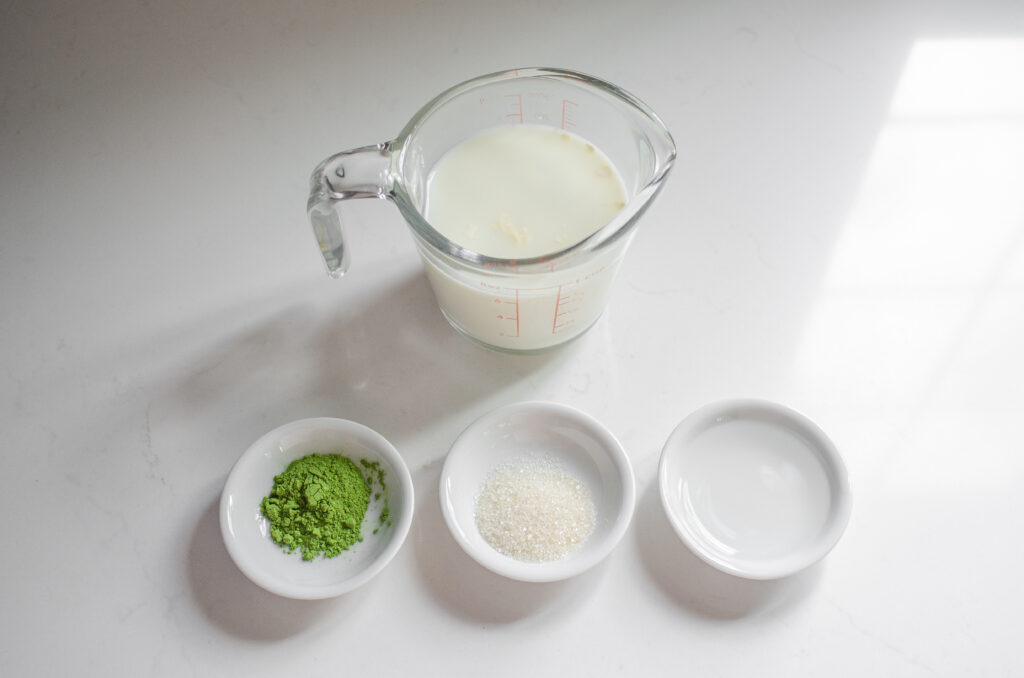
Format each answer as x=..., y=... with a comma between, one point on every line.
x=319, y=502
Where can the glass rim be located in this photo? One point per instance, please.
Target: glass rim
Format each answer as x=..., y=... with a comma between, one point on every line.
x=600, y=239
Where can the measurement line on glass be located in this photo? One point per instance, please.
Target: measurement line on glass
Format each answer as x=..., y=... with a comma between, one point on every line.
x=515, y=106
x=515, y=314
x=568, y=114
x=565, y=309
x=562, y=318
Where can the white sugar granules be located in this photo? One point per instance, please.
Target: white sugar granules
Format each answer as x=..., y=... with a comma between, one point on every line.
x=533, y=510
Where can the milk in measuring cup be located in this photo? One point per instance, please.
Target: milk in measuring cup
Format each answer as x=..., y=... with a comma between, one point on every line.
x=522, y=191
x=517, y=192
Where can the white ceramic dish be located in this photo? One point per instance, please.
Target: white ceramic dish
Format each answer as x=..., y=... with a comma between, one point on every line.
x=246, y=531
x=754, y=488
x=576, y=442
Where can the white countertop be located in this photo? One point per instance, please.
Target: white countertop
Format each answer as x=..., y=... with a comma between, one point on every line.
x=843, y=233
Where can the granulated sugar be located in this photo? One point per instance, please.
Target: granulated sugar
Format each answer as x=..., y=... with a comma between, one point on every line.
x=533, y=510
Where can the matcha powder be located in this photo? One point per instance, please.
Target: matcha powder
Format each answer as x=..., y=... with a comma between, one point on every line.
x=317, y=505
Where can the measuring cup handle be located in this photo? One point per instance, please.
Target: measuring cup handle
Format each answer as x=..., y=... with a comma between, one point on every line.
x=360, y=173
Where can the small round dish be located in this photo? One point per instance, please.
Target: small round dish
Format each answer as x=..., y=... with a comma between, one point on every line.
x=754, y=488
x=547, y=432
x=247, y=533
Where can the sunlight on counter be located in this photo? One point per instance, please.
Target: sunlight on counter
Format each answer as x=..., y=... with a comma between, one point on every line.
x=919, y=311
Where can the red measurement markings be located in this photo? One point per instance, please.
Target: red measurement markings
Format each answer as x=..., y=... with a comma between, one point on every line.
x=504, y=314
x=569, y=113
x=517, y=313
x=558, y=302
x=564, y=307
x=550, y=265
x=515, y=106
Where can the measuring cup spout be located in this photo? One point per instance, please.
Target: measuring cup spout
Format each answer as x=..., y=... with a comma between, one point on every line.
x=360, y=173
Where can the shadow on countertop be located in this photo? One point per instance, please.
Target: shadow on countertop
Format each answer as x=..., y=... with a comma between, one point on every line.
x=468, y=590
x=390, y=362
x=238, y=606
x=700, y=588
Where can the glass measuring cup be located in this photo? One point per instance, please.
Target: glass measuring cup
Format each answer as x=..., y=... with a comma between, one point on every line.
x=519, y=305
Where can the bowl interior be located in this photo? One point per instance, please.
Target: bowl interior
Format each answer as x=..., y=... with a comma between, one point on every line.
x=541, y=431
x=754, y=489
x=246, y=531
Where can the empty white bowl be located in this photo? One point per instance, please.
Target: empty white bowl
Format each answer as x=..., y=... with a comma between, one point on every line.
x=754, y=488
x=247, y=533
x=577, y=443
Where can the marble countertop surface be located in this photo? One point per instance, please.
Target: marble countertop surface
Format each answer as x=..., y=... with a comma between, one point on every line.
x=843, y=233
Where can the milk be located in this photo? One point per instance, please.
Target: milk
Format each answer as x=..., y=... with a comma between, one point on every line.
x=517, y=192
x=522, y=191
